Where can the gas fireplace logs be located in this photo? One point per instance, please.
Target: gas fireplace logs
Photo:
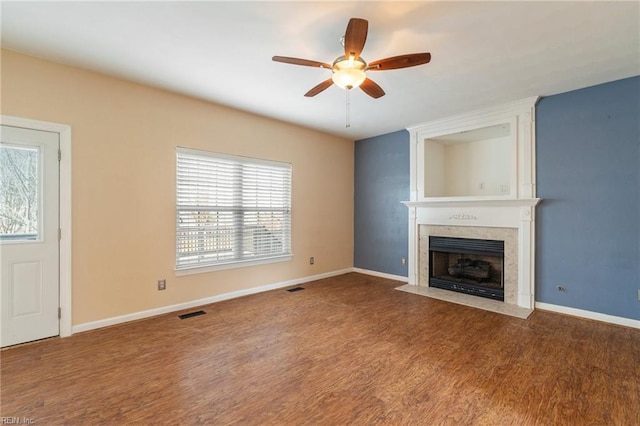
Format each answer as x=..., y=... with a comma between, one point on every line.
x=476, y=269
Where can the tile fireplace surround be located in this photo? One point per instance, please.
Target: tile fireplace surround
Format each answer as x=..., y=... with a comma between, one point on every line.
x=507, y=215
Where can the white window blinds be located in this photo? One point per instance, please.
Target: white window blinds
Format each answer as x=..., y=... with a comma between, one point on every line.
x=230, y=209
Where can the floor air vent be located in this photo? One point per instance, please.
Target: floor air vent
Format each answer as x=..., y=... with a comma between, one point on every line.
x=291, y=290
x=191, y=314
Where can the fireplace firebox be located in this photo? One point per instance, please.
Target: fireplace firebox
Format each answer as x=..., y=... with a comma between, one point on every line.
x=467, y=265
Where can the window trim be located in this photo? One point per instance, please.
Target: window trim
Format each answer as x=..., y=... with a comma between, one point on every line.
x=203, y=269
x=232, y=263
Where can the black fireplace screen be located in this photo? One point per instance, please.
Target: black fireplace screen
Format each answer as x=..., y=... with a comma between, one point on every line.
x=467, y=265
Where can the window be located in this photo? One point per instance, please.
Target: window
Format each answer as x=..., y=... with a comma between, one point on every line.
x=19, y=193
x=231, y=211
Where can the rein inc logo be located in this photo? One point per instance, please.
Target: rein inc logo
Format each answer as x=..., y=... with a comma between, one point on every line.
x=17, y=421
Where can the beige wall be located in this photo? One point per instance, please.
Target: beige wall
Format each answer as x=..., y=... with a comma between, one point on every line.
x=124, y=137
x=470, y=164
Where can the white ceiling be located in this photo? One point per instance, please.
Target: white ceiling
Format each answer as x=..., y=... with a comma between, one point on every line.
x=483, y=53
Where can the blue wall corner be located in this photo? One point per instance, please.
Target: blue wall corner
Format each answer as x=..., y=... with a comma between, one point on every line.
x=588, y=174
x=381, y=223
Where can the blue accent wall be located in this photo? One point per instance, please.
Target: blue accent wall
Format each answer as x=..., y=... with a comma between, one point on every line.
x=381, y=224
x=588, y=173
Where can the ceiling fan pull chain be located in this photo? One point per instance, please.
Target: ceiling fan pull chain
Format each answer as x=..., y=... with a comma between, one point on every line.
x=348, y=109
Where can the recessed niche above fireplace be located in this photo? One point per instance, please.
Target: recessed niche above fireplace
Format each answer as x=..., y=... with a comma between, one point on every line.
x=488, y=154
x=477, y=162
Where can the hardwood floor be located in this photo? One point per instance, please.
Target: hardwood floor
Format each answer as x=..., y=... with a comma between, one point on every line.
x=346, y=350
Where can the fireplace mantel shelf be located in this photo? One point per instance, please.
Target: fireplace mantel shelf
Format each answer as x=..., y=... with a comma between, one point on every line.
x=474, y=202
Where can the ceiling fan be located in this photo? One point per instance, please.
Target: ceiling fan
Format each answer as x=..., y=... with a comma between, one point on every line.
x=349, y=71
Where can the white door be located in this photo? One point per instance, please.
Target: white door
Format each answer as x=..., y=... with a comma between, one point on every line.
x=29, y=245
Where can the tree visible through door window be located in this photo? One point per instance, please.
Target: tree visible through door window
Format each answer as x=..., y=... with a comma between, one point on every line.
x=19, y=200
x=231, y=210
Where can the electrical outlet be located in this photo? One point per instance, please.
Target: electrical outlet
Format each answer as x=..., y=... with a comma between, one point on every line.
x=404, y=261
x=481, y=185
x=639, y=295
x=162, y=284
x=311, y=261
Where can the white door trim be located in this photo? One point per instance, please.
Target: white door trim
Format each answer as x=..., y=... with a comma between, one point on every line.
x=64, y=131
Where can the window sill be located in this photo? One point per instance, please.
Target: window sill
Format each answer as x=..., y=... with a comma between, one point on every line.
x=231, y=265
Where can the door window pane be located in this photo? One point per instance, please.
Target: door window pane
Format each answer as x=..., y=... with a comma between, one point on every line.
x=19, y=209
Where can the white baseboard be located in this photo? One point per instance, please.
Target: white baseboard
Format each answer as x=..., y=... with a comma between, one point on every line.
x=628, y=322
x=381, y=275
x=200, y=302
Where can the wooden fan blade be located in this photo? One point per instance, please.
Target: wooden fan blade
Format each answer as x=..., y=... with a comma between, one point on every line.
x=298, y=61
x=371, y=88
x=355, y=37
x=402, y=61
x=319, y=88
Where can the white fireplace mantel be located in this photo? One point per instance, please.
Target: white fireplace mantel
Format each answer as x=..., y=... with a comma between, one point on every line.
x=481, y=214
x=515, y=209
x=474, y=202
x=470, y=212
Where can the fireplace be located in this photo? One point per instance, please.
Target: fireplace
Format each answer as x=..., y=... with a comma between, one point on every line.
x=467, y=265
x=456, y=193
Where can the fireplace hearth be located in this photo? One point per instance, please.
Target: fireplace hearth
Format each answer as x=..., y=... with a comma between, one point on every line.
x=467, y=265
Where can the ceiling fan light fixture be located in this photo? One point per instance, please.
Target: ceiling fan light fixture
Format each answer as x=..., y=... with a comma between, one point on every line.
x=349, y=73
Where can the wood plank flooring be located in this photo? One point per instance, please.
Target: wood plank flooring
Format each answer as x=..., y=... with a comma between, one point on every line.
x=346, y=350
